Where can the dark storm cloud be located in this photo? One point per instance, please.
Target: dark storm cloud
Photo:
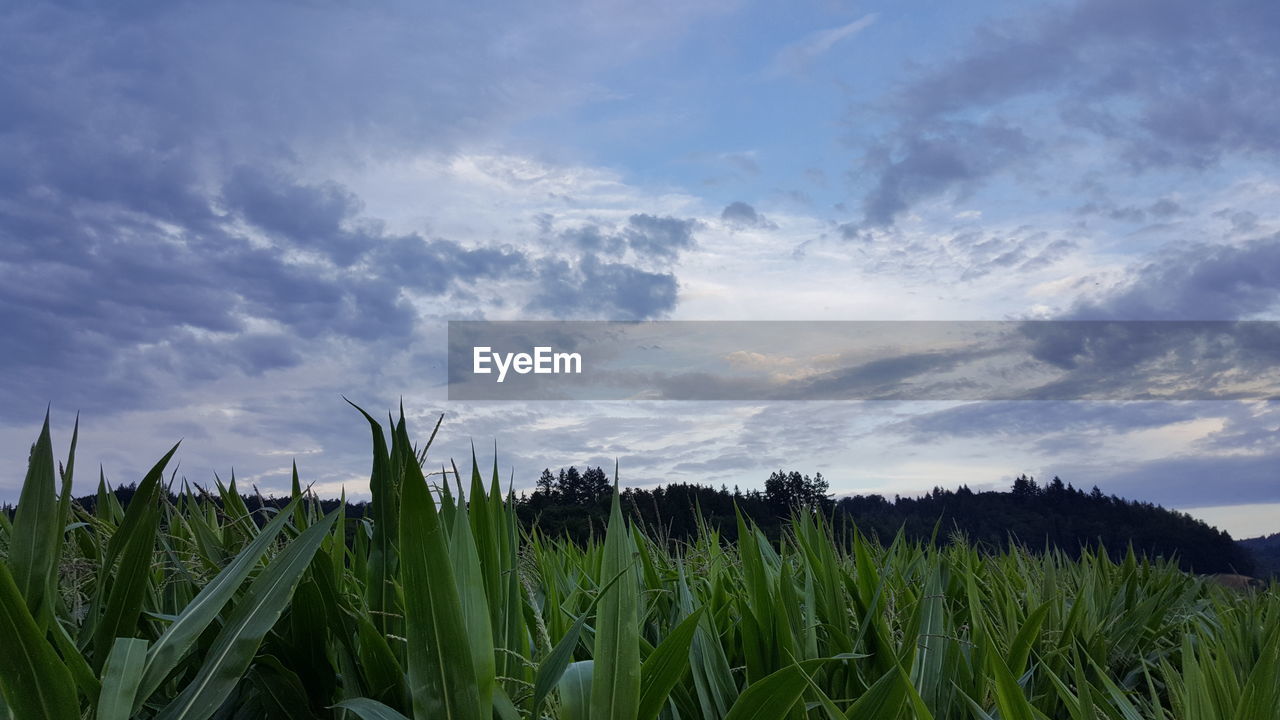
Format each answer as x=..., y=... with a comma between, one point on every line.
x=1159, y=83
x=435, y=266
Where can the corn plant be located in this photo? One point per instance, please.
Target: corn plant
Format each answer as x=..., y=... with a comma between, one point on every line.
x=185, y=603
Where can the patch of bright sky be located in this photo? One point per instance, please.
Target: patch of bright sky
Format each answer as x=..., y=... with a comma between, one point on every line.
x=1242, y=521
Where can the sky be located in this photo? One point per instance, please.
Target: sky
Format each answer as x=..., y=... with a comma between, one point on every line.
x=217, y=219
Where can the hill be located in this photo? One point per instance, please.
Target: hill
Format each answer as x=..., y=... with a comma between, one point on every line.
x=1266, y=554
x=575, y=504
x=1054, y=515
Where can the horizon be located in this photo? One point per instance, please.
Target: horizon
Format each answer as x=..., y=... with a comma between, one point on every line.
x=174, y=486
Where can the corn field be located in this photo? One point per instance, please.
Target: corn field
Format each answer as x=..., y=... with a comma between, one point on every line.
x=187, y=605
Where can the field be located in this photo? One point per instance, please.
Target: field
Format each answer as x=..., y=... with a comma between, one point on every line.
x=187, y=605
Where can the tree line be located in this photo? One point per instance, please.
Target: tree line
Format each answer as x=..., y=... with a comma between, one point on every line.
x=574, y=504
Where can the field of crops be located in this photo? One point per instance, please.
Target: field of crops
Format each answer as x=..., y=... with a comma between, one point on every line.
x=436, y=608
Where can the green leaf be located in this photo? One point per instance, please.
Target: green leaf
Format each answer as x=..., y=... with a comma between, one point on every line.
x=35, y=683
x=37, y=529
x=85, y=679
x=378, y=665
x=665, y=666
x=553, y=665
x=884, y=699
x=615, y=689
x=280, y=691
x=475, y=607
x=63, y=516
x=382, y=558
x=367, y=709
x=177, y=639
x=237, y=643
x=1010, y=699
x=120, y=678
x=1020, y=650
x=133, y=543
x=575, y=691
x=502, y=705
x=442, y=678
x=770, y=697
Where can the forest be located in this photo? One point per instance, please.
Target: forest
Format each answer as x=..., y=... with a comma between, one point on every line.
x=574, y=504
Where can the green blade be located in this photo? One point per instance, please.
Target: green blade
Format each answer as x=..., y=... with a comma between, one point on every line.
x=35, y=683
x=120, y=678
x=615, y=688
x=205, y=608
x=575, y=691
x=37, y=529
x=133, y=544
x=442, y=679
x=235, y=646
x=367, y=709
x=665, y=666
x=552, y=667
x=771, y=697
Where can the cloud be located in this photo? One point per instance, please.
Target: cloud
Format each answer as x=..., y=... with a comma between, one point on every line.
x=740, y=215
x=1146, y=84
x=1181, y=454
x=594, y=239
x=923, y=164
x=117, y=298
x=1036, y=422
x=313, y=216
x=660, y=238
x=650, y=238
x=591, y=288
x=171, y=209
x=1189, y=481
x=744, y=163
x=797, y=57
x=1146, y=360
x=1201, y=281
x=1160, y=210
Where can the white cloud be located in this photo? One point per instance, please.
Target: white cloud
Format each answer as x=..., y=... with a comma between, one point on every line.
x=797, y=57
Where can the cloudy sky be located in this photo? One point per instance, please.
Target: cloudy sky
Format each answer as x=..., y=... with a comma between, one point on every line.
x=218, y=218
